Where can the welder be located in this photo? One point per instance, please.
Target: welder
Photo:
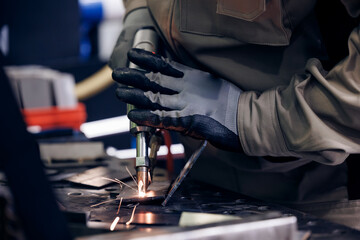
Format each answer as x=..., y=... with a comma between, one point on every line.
x=250, y=77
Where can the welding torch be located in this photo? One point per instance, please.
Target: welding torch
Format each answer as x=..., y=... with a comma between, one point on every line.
x=146, y=39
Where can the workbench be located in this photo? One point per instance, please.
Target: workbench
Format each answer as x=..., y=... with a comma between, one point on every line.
x=87, y=221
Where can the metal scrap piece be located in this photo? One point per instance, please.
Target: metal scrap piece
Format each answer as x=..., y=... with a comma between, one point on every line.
x=94, y=177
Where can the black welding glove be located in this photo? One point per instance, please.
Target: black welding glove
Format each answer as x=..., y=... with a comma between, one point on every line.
x=135, y=20
x=176, y=97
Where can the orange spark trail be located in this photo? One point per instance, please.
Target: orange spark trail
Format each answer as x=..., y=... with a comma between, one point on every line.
x=130, y=174
x=132, y=216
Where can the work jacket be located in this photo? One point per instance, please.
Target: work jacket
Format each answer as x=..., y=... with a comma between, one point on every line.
x=291, y=106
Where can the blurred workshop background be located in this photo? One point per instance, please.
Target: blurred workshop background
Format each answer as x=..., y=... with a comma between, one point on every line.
x=56, y=58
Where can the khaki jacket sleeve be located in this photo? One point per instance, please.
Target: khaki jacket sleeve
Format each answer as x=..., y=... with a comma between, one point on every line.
x=317, y=116
x=131, y=5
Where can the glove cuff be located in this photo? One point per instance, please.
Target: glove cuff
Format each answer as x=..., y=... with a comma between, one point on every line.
x=259, y=129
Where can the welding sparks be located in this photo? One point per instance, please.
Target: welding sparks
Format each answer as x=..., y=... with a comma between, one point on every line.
x=130, y=174
x=116, y=220
x=132, y=216
x=112, y=180
x=95, y=205
x=114, y=223
x=116, y=181
x=119, y=182
x=126, y=184
x=141, y=189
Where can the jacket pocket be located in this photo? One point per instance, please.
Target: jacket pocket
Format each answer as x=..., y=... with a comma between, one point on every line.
x=249, y=21
x=242, y=9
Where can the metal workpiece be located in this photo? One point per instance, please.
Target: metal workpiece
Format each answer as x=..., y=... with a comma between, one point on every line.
x=257, y=219
x=270, y=229
x=101, y=207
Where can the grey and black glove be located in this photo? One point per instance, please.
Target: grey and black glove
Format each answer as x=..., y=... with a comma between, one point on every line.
x=135, y=20
x=172, y=96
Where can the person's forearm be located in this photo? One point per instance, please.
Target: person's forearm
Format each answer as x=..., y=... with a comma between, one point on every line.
x=131, y=5
x=315, y=117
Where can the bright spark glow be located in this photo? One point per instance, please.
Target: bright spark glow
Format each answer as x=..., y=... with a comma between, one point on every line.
x=132, y=216
x=141, y=189
x=114, y=223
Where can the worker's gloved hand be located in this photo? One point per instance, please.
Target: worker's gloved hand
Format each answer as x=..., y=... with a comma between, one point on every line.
x=135, y=20
x=176, y=97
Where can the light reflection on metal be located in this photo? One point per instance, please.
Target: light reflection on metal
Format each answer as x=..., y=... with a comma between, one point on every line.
x=141, y=188
x=132, y=216
x=146, y=218
x=149, y=217
x=149, y=177
x=114, y=223
x=147, y=230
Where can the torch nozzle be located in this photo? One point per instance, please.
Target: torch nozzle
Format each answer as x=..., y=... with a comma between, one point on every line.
x=142, y=180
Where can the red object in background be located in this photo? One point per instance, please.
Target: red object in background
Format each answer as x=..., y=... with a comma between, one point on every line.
x=169, y=156
x=55, y=117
